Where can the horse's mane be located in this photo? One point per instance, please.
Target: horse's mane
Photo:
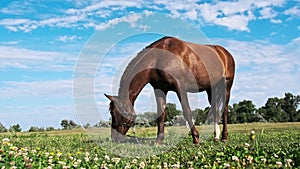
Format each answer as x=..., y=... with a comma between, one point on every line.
x=130, y=66
x=136, y=59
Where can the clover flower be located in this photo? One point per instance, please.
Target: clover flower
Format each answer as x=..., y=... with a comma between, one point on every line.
x=165, y=165
x=264, y=160
x=6, y=141
x=96, y=159
x=289, y=161
x=134, y=161
x=142, y=164
x=103, y=166
x=107, y=158
x=226, y=165
x=250, y=159
x=235, y=158
x=115, y=160
x=279, y=163
x=175, y=166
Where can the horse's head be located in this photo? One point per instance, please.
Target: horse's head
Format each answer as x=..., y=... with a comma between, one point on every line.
x=123, y=117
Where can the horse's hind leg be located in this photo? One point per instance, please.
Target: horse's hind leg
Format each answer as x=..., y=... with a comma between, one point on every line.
x=214, y=110
x=182, y=95
x=228, y=83
x=216, y=98
x=161, y=114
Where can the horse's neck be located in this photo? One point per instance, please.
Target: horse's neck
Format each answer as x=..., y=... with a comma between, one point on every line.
x=130, y=89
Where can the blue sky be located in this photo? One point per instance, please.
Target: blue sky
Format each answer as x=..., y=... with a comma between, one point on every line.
x=41, y=42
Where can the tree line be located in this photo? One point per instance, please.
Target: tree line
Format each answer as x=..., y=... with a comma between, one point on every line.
x=276, y=109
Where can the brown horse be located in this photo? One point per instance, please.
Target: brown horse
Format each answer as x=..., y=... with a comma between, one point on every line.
x=170, y=64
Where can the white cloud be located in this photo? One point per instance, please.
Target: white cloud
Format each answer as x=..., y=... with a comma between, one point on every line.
x=11, y=22
x=16, y=57
x=235, y=15
x=10, y=43
x=131, y=20
x=234, y=22
x=41, y=103
x=18, y=8
x=264, y=70
x=294, y=11
x=36, y=89
x=66, y=38
x=269, y=13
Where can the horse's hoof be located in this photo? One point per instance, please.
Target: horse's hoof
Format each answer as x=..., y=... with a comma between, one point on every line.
x=196, y=143
x=217, y=140
x=158, y=143
x=224, y=140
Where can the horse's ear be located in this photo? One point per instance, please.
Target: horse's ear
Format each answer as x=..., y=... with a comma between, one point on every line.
x=109, y=97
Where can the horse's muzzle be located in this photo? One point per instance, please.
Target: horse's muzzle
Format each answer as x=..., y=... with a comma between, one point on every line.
x=117, y=136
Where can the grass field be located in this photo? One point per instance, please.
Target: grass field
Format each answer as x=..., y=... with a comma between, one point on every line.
x=276, y=145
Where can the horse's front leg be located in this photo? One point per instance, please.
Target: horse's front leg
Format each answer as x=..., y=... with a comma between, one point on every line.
x=187, y=113
x=161, y=114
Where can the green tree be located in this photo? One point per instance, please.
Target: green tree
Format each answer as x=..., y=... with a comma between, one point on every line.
x=65, y=124
x=200, y=115
x=50, y=128
x=72, y=124
x=273, y=111
x=232, y=116
x=242, y=112
x=171, y=112
x=68, y=124
x=15, y=128
x=282, y=109
x=290, y=106
x=2, y=128
x=141, y=121
x=102, y=123
x=87, y=126
x=35, y=129
x=151, y=118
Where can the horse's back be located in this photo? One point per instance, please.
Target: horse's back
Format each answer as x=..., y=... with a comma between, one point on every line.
x=202, y=60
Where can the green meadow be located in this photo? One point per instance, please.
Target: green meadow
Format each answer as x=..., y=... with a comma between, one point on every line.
x=253, y=145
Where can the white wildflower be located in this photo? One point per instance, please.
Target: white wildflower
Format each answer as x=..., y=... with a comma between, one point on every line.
x=103, y=166
x=175, y=166
x=115, y=160
x=165, y=165
x=142, y=165
x=250, y=159
x=134, y=161
x=96, y=159
x=279, y=163
x=264, y=160
x=107, y=158
x=5, y=140
x=226, y=165
x=235, y=158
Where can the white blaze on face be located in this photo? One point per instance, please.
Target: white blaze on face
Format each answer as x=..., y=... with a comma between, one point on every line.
x=217, y=131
